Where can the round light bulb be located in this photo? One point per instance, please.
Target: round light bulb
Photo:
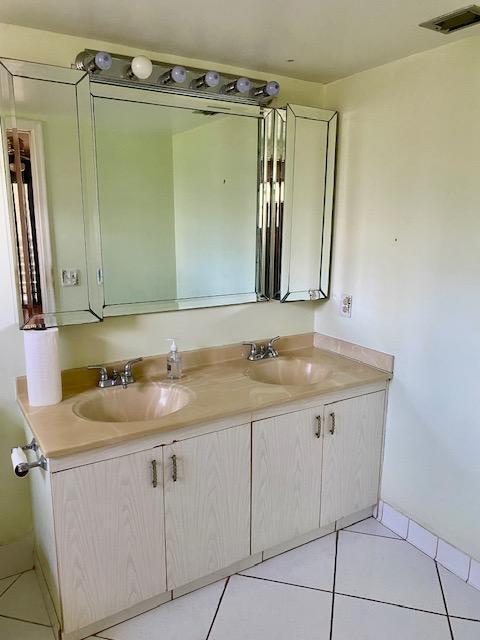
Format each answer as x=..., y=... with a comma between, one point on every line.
x=272, y=88
x=141, y=67
x=243, y=85
x=103, y=60
x=212, y=78
x=178, y=74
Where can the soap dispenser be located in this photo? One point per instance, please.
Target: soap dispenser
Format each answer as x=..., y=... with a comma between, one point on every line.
x=174, y=362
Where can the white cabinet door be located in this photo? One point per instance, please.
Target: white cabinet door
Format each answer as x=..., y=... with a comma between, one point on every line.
x=352, y=447
x=109, y=524
x=207, y=503
x=286, y=477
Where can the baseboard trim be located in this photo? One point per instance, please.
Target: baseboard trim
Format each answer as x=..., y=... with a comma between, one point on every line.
x=16, y=557
x=456, y=561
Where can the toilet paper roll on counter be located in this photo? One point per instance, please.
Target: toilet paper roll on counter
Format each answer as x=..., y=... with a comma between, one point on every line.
x=19, y=462
x=44, y=380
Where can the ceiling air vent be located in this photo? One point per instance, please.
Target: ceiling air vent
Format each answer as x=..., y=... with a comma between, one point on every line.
x=450, y=22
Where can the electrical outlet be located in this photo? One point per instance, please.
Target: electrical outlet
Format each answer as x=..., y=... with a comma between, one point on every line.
x=346, y=305
x=70, y=277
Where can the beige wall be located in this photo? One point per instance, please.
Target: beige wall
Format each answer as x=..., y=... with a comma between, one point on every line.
x=116, y=337
x=407, y=246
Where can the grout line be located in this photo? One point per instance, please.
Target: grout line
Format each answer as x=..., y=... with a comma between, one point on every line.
x=218, y=608
x=392, y=604
x=463, y=618
x=374, y=535
x=333, y=586
x=298, y=546
x=350, y=595
x=10, y=585
x=288, y=584
x=38, y=624
x=444, y=599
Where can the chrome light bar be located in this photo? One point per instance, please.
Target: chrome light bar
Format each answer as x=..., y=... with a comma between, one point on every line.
x=140, y=72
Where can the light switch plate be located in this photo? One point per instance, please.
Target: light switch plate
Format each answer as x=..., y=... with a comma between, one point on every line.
x=346, y=305
x=70, y=277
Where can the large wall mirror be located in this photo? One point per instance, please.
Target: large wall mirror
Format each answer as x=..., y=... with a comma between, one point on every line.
x=127, y=200
x=48, y=156
x=178, y=200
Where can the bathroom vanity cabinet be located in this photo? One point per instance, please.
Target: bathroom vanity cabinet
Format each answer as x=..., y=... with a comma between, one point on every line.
x=125, y=528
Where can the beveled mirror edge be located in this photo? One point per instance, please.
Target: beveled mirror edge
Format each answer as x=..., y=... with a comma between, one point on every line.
x=321, y=291
x=51, y=73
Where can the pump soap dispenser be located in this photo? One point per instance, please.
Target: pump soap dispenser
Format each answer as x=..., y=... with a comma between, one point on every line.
x=174, y=362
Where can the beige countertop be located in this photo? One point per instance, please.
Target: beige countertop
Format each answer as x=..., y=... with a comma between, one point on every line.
x=217, y=390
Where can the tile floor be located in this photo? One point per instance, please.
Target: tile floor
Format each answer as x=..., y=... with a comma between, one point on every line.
x=364, y=583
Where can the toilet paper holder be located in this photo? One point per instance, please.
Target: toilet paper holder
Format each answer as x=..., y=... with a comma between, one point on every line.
x=21, y=468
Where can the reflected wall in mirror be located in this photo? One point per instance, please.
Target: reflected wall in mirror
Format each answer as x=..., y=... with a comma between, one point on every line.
x=44, y=140
x=178, y=194
x=298, y=173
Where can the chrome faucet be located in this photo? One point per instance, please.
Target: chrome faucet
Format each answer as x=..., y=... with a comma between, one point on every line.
x=262, y=351
x=116, y=378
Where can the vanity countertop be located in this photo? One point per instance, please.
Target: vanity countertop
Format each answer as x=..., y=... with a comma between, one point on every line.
x=217, y=390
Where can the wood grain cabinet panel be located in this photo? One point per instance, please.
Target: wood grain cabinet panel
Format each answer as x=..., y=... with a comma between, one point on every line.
x=110, y=536
x=352, y=448
x=286, y=477
x=207, y=503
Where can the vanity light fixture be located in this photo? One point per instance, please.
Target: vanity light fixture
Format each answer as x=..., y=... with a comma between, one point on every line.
x=175, y=75
x=100, y=61
x=209, y=79
x=271, y=89
x=241, y=85
x=164, y=76
x=140, y=67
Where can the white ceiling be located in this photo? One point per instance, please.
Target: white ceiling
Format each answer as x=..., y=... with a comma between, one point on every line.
x=328, y=39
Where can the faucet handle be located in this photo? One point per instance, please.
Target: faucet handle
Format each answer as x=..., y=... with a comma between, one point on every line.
x=271, y=351
x=253, y=349
x=103, y=371
x=127, y=368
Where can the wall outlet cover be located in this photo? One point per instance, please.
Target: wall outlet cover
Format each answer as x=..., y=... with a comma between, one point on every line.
x=346, y=302
x=70, y=277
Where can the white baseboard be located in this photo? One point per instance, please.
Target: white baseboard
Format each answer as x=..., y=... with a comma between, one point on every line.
x=16, y=557
x=456, y=561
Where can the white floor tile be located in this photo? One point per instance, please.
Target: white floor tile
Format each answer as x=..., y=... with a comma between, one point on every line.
x=465, y=630
x=373, y=527
x=260, y=610
x=311, y=565
x=186, y=618
x=5, y=583
x=453, y=559
x=395, y=520
x=16, y=630
x=363, y=620
x=387, y=570
x=462, y=599
x=24, y=600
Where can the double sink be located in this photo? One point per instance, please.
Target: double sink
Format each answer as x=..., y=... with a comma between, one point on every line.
x=145, y=401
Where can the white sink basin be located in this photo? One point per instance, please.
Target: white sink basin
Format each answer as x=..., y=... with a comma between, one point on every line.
x=138, y=402
x=287, y=371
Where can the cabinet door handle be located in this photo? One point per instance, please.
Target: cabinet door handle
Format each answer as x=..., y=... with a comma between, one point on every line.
x=174, y=468
x=154, y=474
x=318, y=430
x=332, y=423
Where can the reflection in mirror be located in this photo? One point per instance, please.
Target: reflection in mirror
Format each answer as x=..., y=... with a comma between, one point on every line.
x=32, y=258
x=309, y=152
x=43, y=140
x=178, y=203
